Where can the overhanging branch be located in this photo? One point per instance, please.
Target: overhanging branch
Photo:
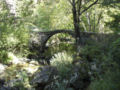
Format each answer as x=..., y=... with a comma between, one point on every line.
x=88, y=7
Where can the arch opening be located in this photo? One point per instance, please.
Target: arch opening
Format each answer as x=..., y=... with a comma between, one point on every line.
x=58, y=43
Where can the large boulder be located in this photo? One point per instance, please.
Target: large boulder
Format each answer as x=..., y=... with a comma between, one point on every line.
x=44, y=76
x=79, y=79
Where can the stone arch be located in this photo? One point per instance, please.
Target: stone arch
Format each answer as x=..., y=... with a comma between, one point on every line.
x=38, y=40
x=52, y=33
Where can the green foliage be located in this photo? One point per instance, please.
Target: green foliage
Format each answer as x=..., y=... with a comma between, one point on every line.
x=24, y=8
x=17, y=76
x=52, y=15
x=59, y=43
x=115, y=23
x=42, y=16
x=24, y=80
x=109, y=2
x=92, y=20
x=58, y=85
x=106, y=58
x=92, y=52
x=111, y=18
x=13, y=36
x=63, y=62
x=108, y=81
x=4, y=56
x=14, y=40
x=61, y=18
x=115, y=51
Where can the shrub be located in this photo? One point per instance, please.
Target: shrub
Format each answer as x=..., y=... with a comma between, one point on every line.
x=108, y=81
x=13, y=39
x=63, y=62
x=13, y=34
x=109, y=65
x=115, y=51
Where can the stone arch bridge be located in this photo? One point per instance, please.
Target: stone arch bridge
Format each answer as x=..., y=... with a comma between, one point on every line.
x=38, y=40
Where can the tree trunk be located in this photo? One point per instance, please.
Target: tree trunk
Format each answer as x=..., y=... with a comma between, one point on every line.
x=76, y=25
x=76, y=10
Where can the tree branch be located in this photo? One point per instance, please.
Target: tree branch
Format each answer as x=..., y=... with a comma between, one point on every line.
x=70, y=2
x=79, y=6
x=88, y=7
